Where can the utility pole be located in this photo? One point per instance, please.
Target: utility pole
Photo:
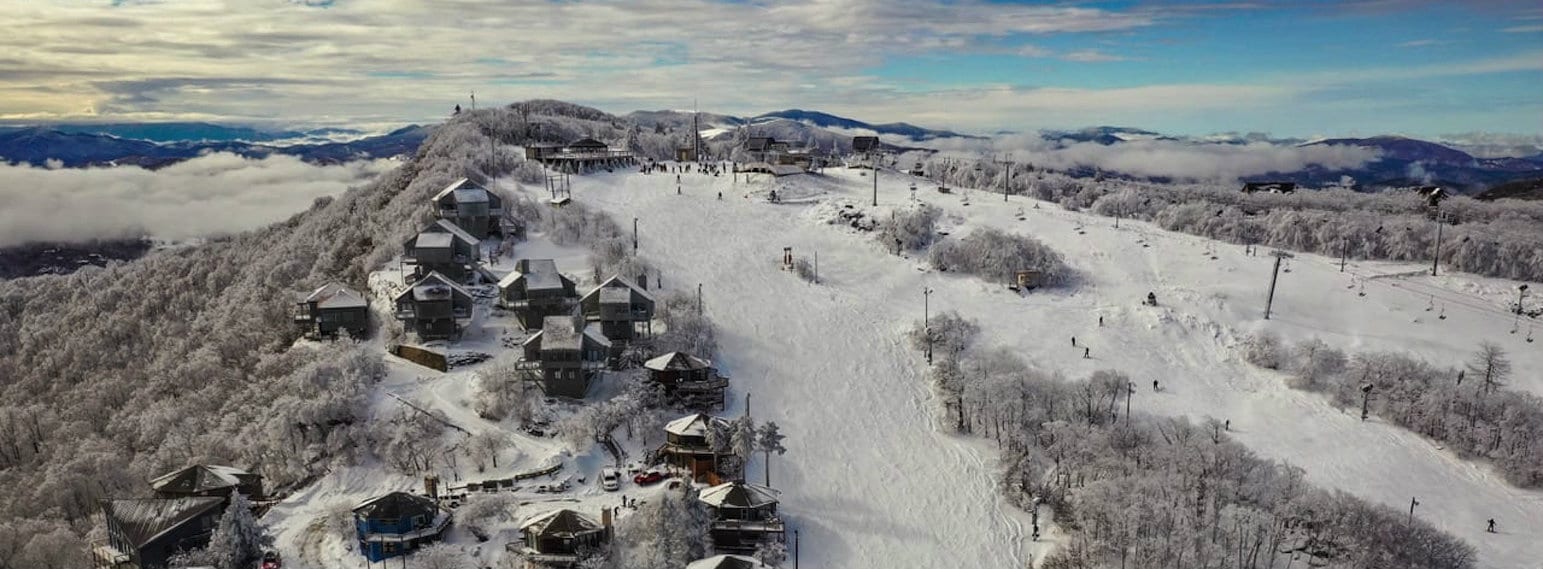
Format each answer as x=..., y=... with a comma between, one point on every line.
x=795, y=549
x=1435, y=257
x=1270, y=302
x=1521, y=293
x=927, y=320
x=817, y=268
x=1344, y=253
x=747, y=404
x=634, y=236
x=1413, y=501
x=1131, y=391
x=699, y=298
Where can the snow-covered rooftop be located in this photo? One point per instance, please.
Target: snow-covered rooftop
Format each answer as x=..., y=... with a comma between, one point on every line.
x=726, y=561
x=738, y=494
x=677, y=361
x=435, y=240
x=199, y=478
x=435, y=286
x=143, y=520
x=559, y=333
x=615, y=295
x=463, y=183
x=562, y=523
x=616, y=282
x=541, y=274
x=694, y=425
x=471, y=195
x=450, y=227
x=335, y=295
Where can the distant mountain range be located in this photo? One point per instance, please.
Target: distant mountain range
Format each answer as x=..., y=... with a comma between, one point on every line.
x=1404, y=161
x=155, y=145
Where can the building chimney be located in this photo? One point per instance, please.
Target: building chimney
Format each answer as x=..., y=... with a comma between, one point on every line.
x=431, y=486
x=605, y=518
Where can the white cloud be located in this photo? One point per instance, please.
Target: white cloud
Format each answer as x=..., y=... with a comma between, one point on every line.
x=209, y=195
x=1523, y=29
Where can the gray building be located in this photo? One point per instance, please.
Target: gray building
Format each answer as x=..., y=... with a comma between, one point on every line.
x=209, y=481
x=688, y=380
x=563, y=358
x=535, y=290
x=146, y=533
x=332, y=309
x=620, y=307
x=435, y=307
x=560, y=539
x=441, y=247
x=744, y=516
x=472, y=207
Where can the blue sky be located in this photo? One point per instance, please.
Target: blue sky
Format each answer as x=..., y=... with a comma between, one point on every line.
x=1309, y=68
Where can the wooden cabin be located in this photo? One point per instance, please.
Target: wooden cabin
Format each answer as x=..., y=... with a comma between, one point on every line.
x=744, y=516
x=334, y=309
x=560, y=539
x=687, y=379
x=564, y=358
x=535, y=290
x=397, y=524
x=146, y=533
x=442, y=247
x=864, y=144
x=686, y=446
x=208, y=481
x=620, y=307
x=471, y=207
x=434, y=307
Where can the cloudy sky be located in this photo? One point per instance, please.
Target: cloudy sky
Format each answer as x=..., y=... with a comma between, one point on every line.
x=1299, y=68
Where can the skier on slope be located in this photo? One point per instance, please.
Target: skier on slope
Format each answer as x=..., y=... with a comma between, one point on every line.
x=1491, y=526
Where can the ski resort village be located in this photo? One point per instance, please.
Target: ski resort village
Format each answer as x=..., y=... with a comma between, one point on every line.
x=555, y=338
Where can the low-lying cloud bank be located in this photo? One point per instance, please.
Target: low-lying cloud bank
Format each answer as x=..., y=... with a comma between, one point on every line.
x=1174, y=159
x=209, y=195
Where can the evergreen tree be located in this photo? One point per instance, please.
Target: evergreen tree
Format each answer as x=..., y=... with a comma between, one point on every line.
x=237, y=540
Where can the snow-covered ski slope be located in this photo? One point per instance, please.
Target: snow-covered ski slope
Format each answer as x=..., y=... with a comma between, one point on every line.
x=871, y=480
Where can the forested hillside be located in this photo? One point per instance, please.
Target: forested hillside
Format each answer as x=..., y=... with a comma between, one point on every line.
x=111, y=376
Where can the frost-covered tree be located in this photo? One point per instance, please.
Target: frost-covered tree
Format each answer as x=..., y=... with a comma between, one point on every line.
x=442, y=556
x=742, y=438
x=667, y=532
x=237, y=541
x=1490, y=366
x=769, y=440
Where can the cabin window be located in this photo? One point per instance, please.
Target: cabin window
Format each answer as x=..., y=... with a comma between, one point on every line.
x=418, y=521
x=389, y=547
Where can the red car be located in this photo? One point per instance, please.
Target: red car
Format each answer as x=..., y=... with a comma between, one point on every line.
x=271, y=561
x=648, y=478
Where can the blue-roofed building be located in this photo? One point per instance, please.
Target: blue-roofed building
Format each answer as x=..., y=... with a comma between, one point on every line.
x=397, y=524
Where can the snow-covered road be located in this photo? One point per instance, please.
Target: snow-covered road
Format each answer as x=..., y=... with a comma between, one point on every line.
x=870, y=480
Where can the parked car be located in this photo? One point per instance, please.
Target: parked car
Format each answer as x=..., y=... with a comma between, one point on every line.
x=271, y=560
x=610, y=479
x=648, y=478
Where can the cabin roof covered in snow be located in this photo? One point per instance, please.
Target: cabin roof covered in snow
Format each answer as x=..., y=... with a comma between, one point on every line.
x=435, y=240
x=677, y=361
x=199, y=478
x=617, y=281
x=435, y=286
x=144, y=520
x=336, y=295
x=738, y=494
x=471, y=195
x=726, y=561
x=559, y=333
x=397, y=505
x=461, y=184
x=562, y=523
x=694, y=425
x=450, y=227
x=541, y=274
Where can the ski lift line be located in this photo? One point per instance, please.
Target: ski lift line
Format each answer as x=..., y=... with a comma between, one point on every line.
x=1482, y=308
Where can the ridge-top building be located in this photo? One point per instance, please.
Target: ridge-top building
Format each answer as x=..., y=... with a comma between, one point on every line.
x=471, y=207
